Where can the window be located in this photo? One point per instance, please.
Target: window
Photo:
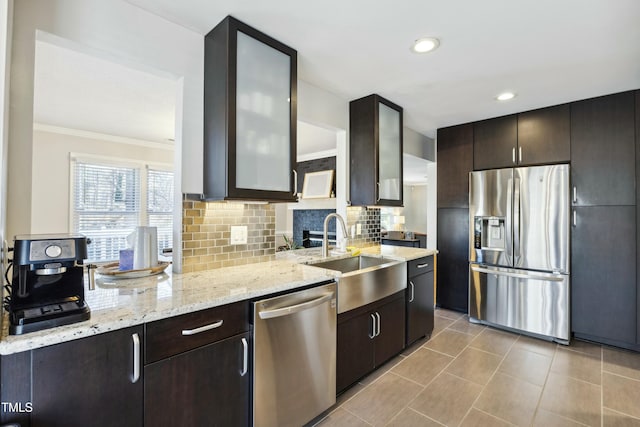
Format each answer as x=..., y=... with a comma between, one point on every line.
x=109, y=201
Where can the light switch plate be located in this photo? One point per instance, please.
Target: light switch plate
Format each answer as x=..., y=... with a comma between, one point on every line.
x=238, y=234
x=358, y=229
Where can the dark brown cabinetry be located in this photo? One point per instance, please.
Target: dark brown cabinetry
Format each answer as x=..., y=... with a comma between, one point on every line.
x=369, y=336
x=94, y=381
x=603, y=152
x=455, y=161
x=637, y=216
x=452, y=289
x=197, y=368
x=250, y=84
x=419, y=299
x=534, y=137
x=375, y=152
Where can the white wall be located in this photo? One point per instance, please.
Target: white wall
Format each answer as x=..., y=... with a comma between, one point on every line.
x=418, y=145
x=415, y=208
x=50, y=200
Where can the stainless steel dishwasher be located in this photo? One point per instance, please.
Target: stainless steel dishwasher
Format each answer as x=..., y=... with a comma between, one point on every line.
x=294, y=356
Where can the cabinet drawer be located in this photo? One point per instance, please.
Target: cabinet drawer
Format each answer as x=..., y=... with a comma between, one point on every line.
x=167, y=337
x=419, y=266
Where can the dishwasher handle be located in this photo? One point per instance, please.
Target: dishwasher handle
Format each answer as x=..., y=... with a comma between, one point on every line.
x=285, y=311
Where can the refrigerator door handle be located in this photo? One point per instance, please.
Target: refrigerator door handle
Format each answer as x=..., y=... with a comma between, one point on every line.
x=517, y=231
x=509, y=224
x=557, y=278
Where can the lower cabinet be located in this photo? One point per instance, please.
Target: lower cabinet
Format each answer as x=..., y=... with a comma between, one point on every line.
x=368, y=336
x=208, y=386
x=452, y=289
x=419, y=297
x=94, y=381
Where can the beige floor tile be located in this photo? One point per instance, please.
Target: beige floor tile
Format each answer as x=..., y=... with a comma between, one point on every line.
x=549, y=419
x=378, y=403
x=449, y=314
x=449, y=342
x=476, y=418
x=616, y=419
x=415, y=346
x=621, y=362
x=410, y=418
x=342, y=418
x=621, y=394
x=475, y=365
x=526, y=365
x=494, y=341
x=463, y=325
x=585, y=347
x=535, y=345
x=381, y=370
x=447, y=399
x=581, y=366
x=349, y=393
x=422, y=366
x=440, y=324
x=571, y=398
x=510, y=399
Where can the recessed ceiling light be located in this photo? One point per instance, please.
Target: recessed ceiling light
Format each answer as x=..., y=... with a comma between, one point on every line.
x=424, y=45
x=505, y=96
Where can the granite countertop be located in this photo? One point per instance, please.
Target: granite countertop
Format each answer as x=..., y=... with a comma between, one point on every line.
x=117, y=304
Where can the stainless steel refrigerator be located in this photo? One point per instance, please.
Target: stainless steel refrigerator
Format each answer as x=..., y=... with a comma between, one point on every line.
x=519, y=250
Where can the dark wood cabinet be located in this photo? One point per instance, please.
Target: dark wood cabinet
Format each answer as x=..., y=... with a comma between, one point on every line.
x=544, y=136
x=206, y=386
x=197, y=370
x=367, y=337
x=419, y=299
x=603, y=274
x=375, y=152
x=638, y=213
x=495, y=143
x=452, y=286
x=603, y=153
x=94, y=381
x=455, y=161
x=250, y=90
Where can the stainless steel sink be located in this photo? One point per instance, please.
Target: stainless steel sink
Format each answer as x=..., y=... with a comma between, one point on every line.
x=366, y=279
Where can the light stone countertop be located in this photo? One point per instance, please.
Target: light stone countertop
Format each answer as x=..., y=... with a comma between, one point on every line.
x=117, y=304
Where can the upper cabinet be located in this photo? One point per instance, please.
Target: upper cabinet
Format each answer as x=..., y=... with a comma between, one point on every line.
x=530, y=138
x=455, y=160
x=603, y=153
x=249, y=115
x=375, y=152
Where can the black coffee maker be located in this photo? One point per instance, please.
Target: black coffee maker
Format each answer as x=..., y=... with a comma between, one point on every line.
x=47, y=286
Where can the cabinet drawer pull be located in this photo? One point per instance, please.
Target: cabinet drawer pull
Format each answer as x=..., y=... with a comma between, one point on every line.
x=136, y=358
x=575, y=194
x=422, y=265
x=575, y=218
x=245, y=357
x=378, y=316
x=413, y=290
x=513, y=155
x=372, y=335
x=202, y=328
x=519, y=154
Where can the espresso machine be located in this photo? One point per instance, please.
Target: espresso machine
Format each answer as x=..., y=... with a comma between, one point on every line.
x=47, y=286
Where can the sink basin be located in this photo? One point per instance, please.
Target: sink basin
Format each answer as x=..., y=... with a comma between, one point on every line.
x=366, y=279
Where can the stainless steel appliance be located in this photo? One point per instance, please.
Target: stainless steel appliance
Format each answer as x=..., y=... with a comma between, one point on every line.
x=47, y=286
x=519, y=249
x=294, y=356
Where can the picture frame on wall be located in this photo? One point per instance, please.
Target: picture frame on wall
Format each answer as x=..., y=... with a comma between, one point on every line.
x=317, y=185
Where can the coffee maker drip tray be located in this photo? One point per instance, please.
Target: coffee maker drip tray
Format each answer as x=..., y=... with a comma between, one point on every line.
x=67, y=311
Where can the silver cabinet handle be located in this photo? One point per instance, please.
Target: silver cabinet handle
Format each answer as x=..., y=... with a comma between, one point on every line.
x=373, y=326
x=413, y=288
x=278, y=312
x=575, y=194
x=519, y=154
x=136, y=358
x=378, y=316
x=575, y=218
x=295, y=182
x=422, y=265
x=202, y=328
x=378, y=195
x=245, y=357
x=513, y=155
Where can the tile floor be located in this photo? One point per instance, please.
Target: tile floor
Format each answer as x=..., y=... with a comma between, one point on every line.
x=471, y=375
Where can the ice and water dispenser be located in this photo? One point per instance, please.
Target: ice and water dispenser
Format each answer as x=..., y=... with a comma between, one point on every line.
x=489, y=233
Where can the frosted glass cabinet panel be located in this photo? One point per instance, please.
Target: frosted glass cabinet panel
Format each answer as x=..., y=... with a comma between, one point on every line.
x=250, y=115
x=375, y=152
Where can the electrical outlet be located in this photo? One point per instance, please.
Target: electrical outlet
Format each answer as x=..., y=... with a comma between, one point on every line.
x=238, y=235
x=358, y=229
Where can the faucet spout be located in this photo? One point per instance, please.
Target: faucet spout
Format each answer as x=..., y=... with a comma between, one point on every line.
x=325, y=239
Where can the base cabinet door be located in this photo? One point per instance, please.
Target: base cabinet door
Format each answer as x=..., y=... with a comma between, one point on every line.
x=420, y=306
x=94, y=381
x=207, y=386
x=453, y=259
x=391, y=330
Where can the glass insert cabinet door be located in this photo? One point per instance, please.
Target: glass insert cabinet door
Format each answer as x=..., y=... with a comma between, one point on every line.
x=389, y=160
x=263, y=119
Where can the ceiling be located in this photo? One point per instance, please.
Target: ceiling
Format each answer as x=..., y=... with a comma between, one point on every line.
x=547, y=51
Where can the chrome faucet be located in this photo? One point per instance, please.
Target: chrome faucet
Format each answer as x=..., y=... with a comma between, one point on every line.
x=325, y=239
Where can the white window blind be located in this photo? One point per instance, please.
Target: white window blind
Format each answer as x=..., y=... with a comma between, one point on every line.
x=160, y=205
